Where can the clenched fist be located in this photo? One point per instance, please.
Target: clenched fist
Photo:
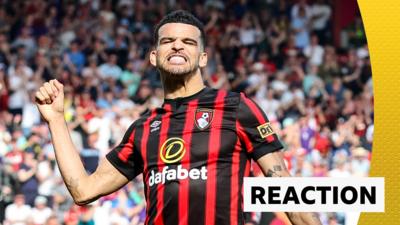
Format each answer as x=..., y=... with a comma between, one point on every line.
x=50, y=100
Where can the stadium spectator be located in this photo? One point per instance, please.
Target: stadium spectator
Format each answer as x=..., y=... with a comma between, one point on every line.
x=18, y=213
x=40, y=212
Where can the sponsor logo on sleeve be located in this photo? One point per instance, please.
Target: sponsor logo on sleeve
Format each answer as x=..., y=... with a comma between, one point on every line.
x=265, y=130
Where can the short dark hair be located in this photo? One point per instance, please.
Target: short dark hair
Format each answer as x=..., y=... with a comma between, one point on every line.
x=181, y=16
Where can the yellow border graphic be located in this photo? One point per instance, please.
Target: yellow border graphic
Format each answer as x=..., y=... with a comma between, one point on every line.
x=382, y=24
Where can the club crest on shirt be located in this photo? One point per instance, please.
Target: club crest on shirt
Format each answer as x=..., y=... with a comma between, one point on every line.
x=203, y=118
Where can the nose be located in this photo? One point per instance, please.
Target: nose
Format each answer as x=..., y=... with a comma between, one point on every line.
x=177, y=45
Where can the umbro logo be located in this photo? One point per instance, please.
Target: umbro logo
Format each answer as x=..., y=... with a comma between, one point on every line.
x=155, y=125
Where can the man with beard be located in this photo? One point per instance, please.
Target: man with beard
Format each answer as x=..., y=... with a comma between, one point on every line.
x=193, y=151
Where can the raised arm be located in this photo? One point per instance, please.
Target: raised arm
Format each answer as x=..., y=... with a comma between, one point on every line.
x=272, y=165
x=84, y=188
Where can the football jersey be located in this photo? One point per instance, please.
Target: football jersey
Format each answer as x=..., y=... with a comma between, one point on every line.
x=194, y=152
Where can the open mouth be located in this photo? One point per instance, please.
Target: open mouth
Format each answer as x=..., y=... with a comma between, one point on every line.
x=177, y=59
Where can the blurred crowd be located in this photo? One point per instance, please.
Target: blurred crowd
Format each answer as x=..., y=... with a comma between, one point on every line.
x=317, y=95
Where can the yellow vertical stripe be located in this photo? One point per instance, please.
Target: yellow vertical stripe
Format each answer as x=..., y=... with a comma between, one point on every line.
x=382, y=24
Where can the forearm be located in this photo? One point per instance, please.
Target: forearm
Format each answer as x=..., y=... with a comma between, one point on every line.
x=68, y=159
x=304, y=218
x=274, y=166
x=83, y=188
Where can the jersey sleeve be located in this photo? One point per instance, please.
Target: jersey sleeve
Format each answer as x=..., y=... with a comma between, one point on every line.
x=125, y=158
x=255, y=130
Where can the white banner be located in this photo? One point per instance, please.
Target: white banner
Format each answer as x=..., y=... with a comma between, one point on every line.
x=314, y=194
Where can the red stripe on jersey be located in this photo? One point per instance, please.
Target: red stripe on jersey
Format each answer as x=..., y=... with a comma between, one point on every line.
x=257, y=112
x=244, y=137
x=247, y=168
x=159, y=220
x=185, y=162
x=143, y=148
x=127, y=150
x=235, y=182
x=213, y=152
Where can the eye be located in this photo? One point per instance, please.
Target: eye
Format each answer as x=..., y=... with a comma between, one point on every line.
x=166, y=40
x=190, y=42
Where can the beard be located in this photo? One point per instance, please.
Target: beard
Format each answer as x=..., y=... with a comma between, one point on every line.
x=177, y=71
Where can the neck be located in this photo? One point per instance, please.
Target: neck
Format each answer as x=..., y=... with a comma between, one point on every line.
x=187, y=86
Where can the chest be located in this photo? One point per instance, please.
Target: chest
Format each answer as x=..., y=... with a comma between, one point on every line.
x=190, y=137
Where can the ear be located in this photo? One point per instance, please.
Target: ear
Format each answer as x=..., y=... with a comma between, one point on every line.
x=203, y=59
x=153, y=58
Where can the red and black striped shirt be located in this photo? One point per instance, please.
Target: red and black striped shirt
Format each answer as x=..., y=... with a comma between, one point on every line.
x=193, y=153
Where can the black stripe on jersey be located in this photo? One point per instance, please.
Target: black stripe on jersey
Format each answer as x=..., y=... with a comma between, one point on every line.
x=187, y=137
x=171, y=188
x=198, y=159
x=244, y=163
x=139, y=135
x=235, y=206
x=214, y=149
x=146, y=145
x=224, y=172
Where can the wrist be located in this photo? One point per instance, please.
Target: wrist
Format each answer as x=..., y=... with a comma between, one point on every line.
x=56, y=120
